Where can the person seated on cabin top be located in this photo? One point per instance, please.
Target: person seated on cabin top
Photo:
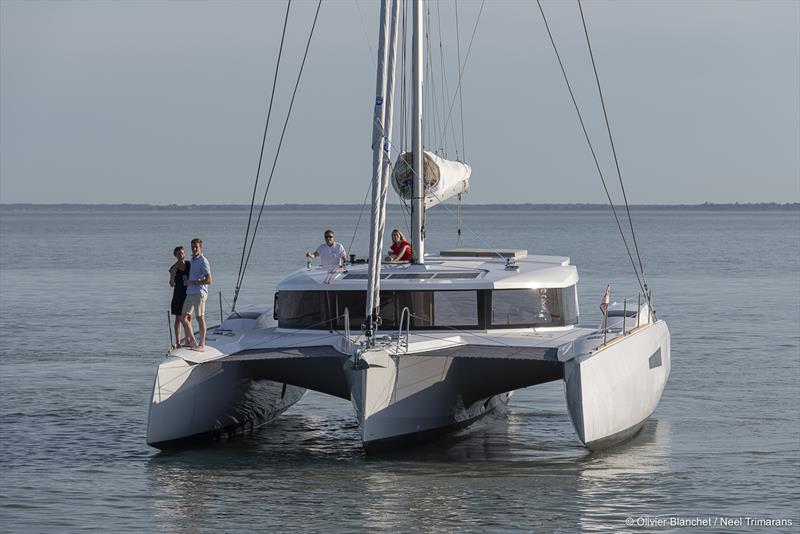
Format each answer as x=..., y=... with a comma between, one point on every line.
x=400, y=249
x=330, y=252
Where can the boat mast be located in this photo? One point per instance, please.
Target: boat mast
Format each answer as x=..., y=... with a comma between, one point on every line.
x=381, y=142
x=386, y=169
x=417, y=195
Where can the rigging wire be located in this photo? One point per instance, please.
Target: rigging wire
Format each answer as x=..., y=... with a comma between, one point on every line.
x=404, y=114
x=591, y=148
x=364, y=29
x=460, y=95
x=405, y=210
x=278, y=150
x=458, y=219
x=464, y=66
x=358, y=222
x=261, y=157
x=431, y=93
x=613, y=148
x=445, y=88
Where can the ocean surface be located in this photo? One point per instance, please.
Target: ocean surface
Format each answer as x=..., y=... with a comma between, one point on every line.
x=83, y=325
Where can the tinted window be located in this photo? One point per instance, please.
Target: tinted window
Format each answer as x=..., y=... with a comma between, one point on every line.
x=326, y=309
x=300, y=309
x=504, y=308
x=454, y=308
x=533, y=307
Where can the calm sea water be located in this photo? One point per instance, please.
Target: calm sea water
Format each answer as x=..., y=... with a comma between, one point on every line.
x=83, y=324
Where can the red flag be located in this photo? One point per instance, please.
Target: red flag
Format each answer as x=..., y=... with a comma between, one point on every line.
x=604, y=302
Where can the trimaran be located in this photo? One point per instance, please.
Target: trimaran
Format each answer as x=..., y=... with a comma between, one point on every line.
x=438, y=342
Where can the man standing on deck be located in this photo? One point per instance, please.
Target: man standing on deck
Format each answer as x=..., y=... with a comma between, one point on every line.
x=196, y=293
x=330, y=252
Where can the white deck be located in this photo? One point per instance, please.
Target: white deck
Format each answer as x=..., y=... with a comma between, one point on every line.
x=443, y=272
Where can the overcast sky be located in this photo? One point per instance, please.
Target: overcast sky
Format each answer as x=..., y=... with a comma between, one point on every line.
x=165, y=102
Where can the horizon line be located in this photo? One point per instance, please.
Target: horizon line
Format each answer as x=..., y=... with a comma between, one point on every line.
x=294, y=205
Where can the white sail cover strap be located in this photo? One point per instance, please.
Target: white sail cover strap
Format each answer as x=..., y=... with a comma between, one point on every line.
x=443, y=178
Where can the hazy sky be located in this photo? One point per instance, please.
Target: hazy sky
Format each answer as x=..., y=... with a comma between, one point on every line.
x=165, y=102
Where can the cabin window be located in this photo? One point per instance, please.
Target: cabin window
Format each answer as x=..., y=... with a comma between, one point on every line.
x=429, y=309
x=569, y=302
x=453, y=308
x=301, y=309
x=512, y=308
x=476, y=309
x=353, y=302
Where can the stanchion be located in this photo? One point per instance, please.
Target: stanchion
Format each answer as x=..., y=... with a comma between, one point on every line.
x=169, y=329
x=624, y=316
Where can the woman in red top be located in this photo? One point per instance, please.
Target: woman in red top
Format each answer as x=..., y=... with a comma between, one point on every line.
x=400, y=249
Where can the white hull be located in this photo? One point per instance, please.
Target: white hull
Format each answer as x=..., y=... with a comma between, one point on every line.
x=211, y=399
x=410, y=399
x=612, y=391
x=438, y=384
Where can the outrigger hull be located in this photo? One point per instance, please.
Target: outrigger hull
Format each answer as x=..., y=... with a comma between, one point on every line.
x=202, y=401
x=613, y=390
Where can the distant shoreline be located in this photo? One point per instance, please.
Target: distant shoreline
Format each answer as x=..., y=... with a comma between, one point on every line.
x=705, y=206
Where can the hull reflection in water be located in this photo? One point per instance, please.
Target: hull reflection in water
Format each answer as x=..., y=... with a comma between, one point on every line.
x=634, y=466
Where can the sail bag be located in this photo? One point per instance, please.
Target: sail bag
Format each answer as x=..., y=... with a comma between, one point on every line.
x=443, y=178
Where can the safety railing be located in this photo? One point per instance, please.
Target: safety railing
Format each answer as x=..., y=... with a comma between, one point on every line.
x=347, y=328
x=625, y=331
x=402, y=338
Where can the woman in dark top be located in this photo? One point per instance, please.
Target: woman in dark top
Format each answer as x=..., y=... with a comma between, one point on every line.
x=178, y=273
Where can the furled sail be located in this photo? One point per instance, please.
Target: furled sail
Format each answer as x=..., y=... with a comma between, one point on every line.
x=443, y=178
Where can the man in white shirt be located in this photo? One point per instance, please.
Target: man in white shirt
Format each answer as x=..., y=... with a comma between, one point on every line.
x=330, y=251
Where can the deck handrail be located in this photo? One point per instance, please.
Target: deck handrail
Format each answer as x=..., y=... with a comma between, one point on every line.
x=401, y=341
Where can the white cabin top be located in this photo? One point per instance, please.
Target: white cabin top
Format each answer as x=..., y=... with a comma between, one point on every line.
x=455, y=269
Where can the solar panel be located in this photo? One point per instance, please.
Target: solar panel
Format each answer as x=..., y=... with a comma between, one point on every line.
x=452, y=276
x=416, y=276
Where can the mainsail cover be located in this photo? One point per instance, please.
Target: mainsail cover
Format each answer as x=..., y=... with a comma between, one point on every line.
x=444, y=179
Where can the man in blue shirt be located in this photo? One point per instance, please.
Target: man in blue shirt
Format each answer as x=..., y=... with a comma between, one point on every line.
x=196, y=293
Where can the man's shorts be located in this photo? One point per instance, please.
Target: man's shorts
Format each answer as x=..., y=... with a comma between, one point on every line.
x=195, y=304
